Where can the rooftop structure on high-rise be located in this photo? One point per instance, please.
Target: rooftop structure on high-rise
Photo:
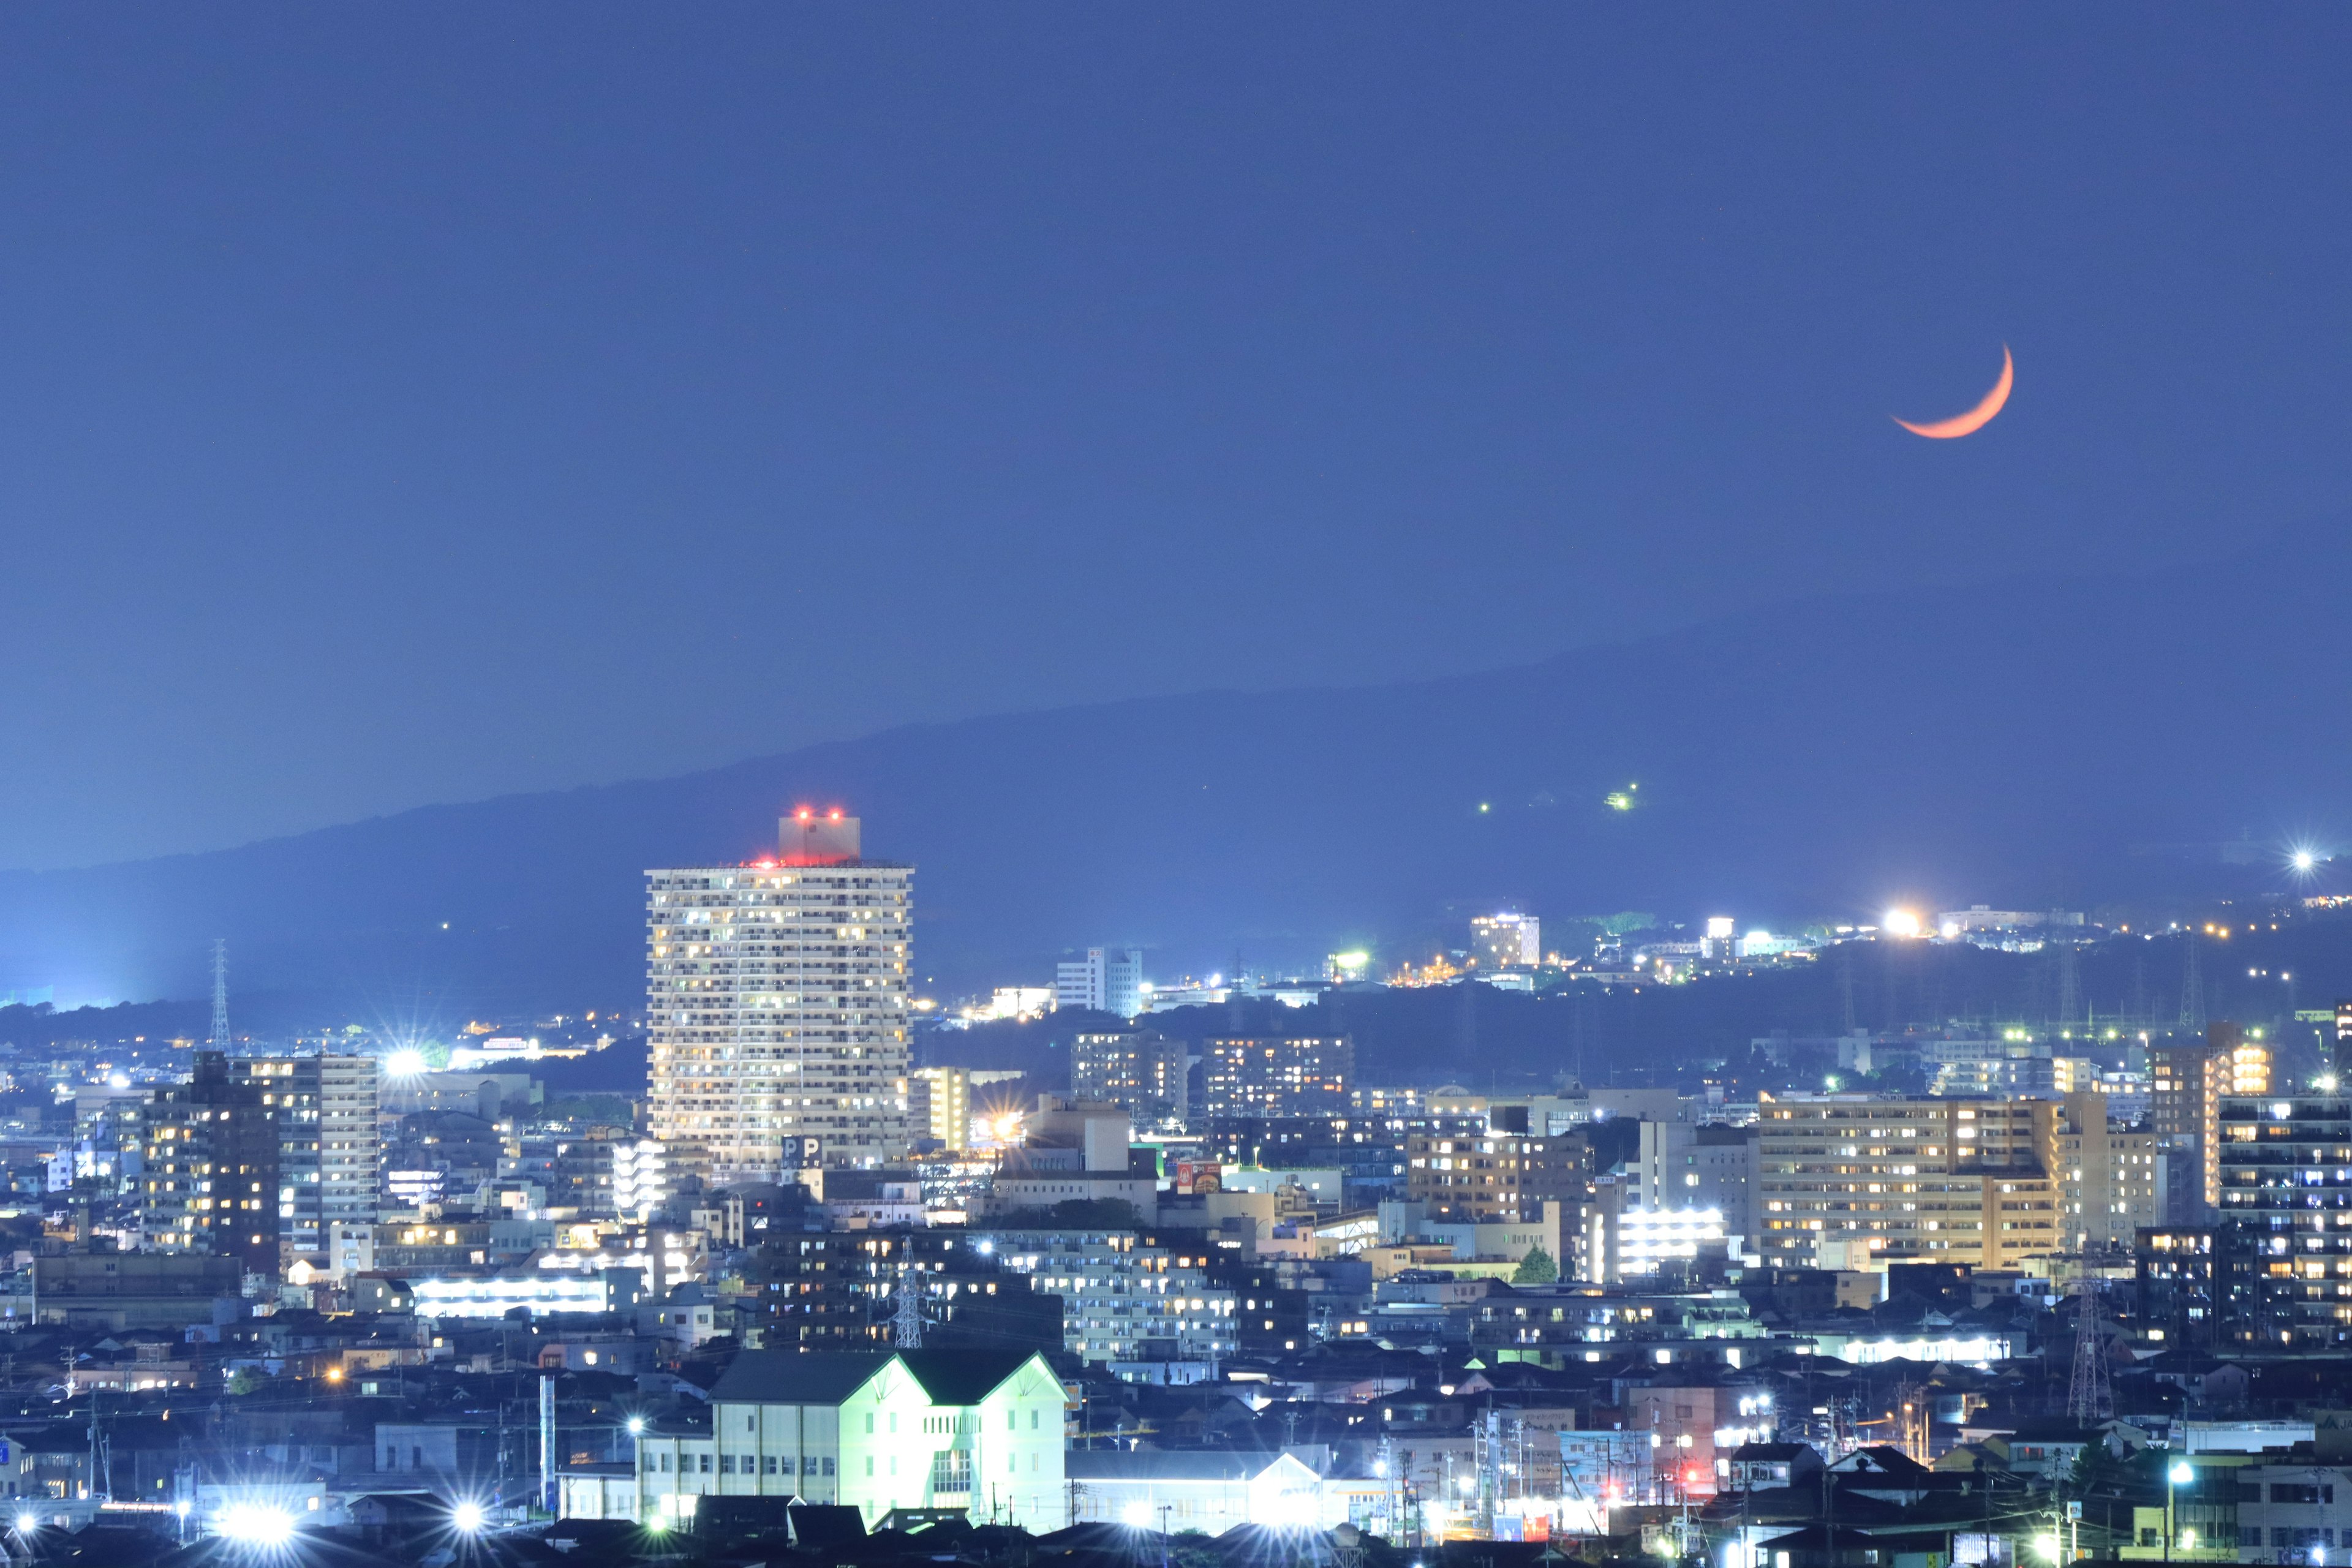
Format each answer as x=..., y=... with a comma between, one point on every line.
x=777, y=1007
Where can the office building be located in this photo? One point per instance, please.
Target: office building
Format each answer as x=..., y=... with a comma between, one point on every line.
x=210, y=1183
x=938, y=1106
x=2285, y=1179
x=777, y=1008
x=2186, y=1083
x=328, y=1141
x=1107, y=979
x=1497, y=1178
x=1850, y=1181
x=1291, y=1076
x=1140, y=1070
x=1508, y=941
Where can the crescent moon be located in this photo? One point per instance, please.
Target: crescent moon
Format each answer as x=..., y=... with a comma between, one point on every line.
x=1976, y=419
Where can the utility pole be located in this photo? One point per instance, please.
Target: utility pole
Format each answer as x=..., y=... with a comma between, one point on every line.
x=546, y=1498
x=220, y=992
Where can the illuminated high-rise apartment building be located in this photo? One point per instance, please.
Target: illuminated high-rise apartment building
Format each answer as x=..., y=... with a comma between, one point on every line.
x=2187, y=1082
x=776, y=1003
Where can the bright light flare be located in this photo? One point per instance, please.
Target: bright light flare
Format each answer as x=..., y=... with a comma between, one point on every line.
x=1138, y=1514
x=255, y=1524
x=2303, y=859
x=27, y=1522
x=1901, y=923
x=2182, y=1474
x=468, y=1518
x=407, y=1062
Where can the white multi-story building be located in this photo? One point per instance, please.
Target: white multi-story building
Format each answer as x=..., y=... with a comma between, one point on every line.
x=1107, y=979
x=327, y=1142
x=640, y=1178
x=1122, y=1301
x=981, y=1432
x=777, y=1007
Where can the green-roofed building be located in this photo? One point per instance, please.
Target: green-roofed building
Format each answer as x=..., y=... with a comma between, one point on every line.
x=977, y=1430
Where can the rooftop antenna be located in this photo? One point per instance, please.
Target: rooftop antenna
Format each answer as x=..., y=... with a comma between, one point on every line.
x=220, y=992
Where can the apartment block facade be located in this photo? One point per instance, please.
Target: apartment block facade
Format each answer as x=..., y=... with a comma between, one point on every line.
x=1277, y=1076
x=1140, y=1070
x=777, y=1005
x=1496, y=1178
x=324, y=1108
x=2285, y=1179
x=1850, y=1181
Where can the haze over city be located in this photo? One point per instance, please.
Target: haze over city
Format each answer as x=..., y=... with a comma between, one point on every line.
x=844, y=785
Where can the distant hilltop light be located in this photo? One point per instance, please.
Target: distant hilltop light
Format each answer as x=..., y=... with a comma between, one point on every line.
x=1901, y=923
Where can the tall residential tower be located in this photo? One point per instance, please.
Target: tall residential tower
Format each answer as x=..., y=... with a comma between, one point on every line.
x=776, y=1000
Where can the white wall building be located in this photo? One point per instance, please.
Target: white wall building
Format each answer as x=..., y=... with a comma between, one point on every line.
x=1108, y=979
x=777, y=1007
x=1210, y=1492
x=1122, y=1301
x=979, y=1430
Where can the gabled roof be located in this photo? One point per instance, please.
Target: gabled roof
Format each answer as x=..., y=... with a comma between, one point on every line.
x=796, y=1377
x=1159, y=1465
x=829, y=1377
x=964, y=1377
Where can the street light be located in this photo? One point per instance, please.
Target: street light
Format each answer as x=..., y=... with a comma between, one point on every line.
x=2179, y=1475
x=468, y=1518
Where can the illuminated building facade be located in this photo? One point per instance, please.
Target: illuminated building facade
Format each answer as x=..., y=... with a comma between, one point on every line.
x=2186, y=1083
x=938, y=1106
x=1508, y=940
x=1277, y=1076
x=2285, y=1173
x=1497, y=1177
x=1850, y=1181
x=2110, y=1182
x=1140, y=1070
x=325, y=1111
x=777, y=1008
x=210, y=1182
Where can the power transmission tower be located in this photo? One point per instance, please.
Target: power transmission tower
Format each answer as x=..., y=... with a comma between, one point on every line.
x=2070, y=999
x=1846, y=984
x=907, y=1324
x=2090, y=1398
x=2192, y=991
x=220, y=993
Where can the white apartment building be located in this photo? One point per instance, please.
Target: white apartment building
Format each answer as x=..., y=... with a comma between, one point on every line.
x=1122, y=1301
x=983, y=1431
x=776, y=1003
x=327, y=1142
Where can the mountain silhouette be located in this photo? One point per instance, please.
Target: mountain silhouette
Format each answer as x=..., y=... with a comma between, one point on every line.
x=2023, y=744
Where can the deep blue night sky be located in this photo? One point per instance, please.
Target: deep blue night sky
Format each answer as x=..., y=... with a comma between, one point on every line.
x=411, y=403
